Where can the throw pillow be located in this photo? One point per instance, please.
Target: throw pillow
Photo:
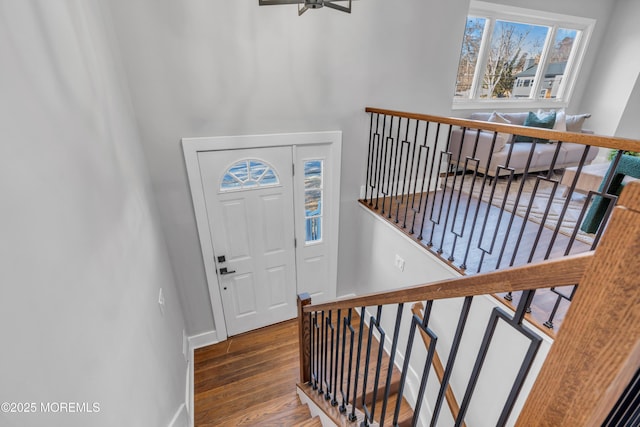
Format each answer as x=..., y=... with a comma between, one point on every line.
x=575, y=122
x=561, y=119
x=545, y=121
x=503, y=138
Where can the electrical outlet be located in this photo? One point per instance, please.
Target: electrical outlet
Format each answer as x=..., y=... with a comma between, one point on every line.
x=399, y=262
x=161, y=301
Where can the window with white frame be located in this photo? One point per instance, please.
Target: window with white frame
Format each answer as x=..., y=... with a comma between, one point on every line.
x=514, y=55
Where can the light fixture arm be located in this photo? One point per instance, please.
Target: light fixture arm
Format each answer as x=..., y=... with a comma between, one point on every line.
x=304, y=5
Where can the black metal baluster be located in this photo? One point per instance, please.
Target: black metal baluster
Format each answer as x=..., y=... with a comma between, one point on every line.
x=374, y=323
x=417, y=149
x=334, y=400
x=396, y=171
x=516, y=203
x=323, y=354
x=459, y=196
x=370, y=158
x=409, y=167
x=436, y=222
x=480, y=196
x=352, y=416
x=405, y=149
x=329, y=359
x=453, y=353
x=516, y=323
x=345, y=395
x=316, y=353
x=394, y=346
x=549, y=322
x=379, y=160
x=386, y=173
x=569, y=194
x=431, y=175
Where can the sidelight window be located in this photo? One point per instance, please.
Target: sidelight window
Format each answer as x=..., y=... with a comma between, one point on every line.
x=313, y=200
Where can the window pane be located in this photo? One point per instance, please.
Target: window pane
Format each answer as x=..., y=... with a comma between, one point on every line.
x=313, y=174
x=313, y=229
x=515, y=52
x=229, y=182
x=313, y=202
x=469, y=55
x=257, y=169
x=269, y=178
x=248, y=174
x=240, y=170
x=559, y=56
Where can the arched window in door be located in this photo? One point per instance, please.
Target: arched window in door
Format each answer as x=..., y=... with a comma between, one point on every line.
x=249, y=174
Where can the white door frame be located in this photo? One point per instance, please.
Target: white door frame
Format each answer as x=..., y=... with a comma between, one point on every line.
x=192, y=146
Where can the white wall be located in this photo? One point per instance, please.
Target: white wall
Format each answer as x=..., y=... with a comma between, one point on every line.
x=210, y=68
x=629, y=126
x=82, y=256
x=615, y=72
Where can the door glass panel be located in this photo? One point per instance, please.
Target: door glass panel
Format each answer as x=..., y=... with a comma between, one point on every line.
x=248, y=174
x=313, y=195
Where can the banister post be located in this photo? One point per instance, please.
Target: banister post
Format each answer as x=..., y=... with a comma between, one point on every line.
x=304, y=338
x=597, y=350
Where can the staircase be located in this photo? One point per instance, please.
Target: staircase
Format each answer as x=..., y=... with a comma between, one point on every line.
x=580, y=381
x=328, y=391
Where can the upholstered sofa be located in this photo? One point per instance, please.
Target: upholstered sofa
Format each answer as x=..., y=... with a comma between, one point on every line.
x=568, y=155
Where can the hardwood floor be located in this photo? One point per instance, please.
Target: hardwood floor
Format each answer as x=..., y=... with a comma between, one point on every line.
x=250, y=380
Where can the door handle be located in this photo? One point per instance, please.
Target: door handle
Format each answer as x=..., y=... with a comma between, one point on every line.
x=224, y=271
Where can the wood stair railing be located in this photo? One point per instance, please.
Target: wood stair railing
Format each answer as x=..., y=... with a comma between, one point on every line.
x=596, y=353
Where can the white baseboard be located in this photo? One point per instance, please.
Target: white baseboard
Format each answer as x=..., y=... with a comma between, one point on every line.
x=196, y=341
x=202, y=340
x=181, y=417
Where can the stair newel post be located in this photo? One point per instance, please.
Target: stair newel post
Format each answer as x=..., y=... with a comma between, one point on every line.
x=304, y=338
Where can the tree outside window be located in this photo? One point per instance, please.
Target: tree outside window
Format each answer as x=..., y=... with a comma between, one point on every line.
x=503, y=58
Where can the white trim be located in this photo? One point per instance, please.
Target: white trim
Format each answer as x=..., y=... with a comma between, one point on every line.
x=202, y=340
x=192, y=146
x=178, y=416
x=193, y=342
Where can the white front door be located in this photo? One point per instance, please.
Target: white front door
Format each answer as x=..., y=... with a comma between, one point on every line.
x=249, y=202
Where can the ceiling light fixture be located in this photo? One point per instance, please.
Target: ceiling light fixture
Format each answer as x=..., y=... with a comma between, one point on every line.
x=304, y=5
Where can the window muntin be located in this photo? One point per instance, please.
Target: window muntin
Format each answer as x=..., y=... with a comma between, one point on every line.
x=248, y=174
x=313, y=199
x=506, y=49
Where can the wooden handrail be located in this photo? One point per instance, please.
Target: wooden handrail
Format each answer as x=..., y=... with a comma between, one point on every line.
x=558, y=272
x=577, y=137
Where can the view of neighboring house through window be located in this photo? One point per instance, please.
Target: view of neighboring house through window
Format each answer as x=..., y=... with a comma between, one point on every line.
x=313, y=187
x=516, y=54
